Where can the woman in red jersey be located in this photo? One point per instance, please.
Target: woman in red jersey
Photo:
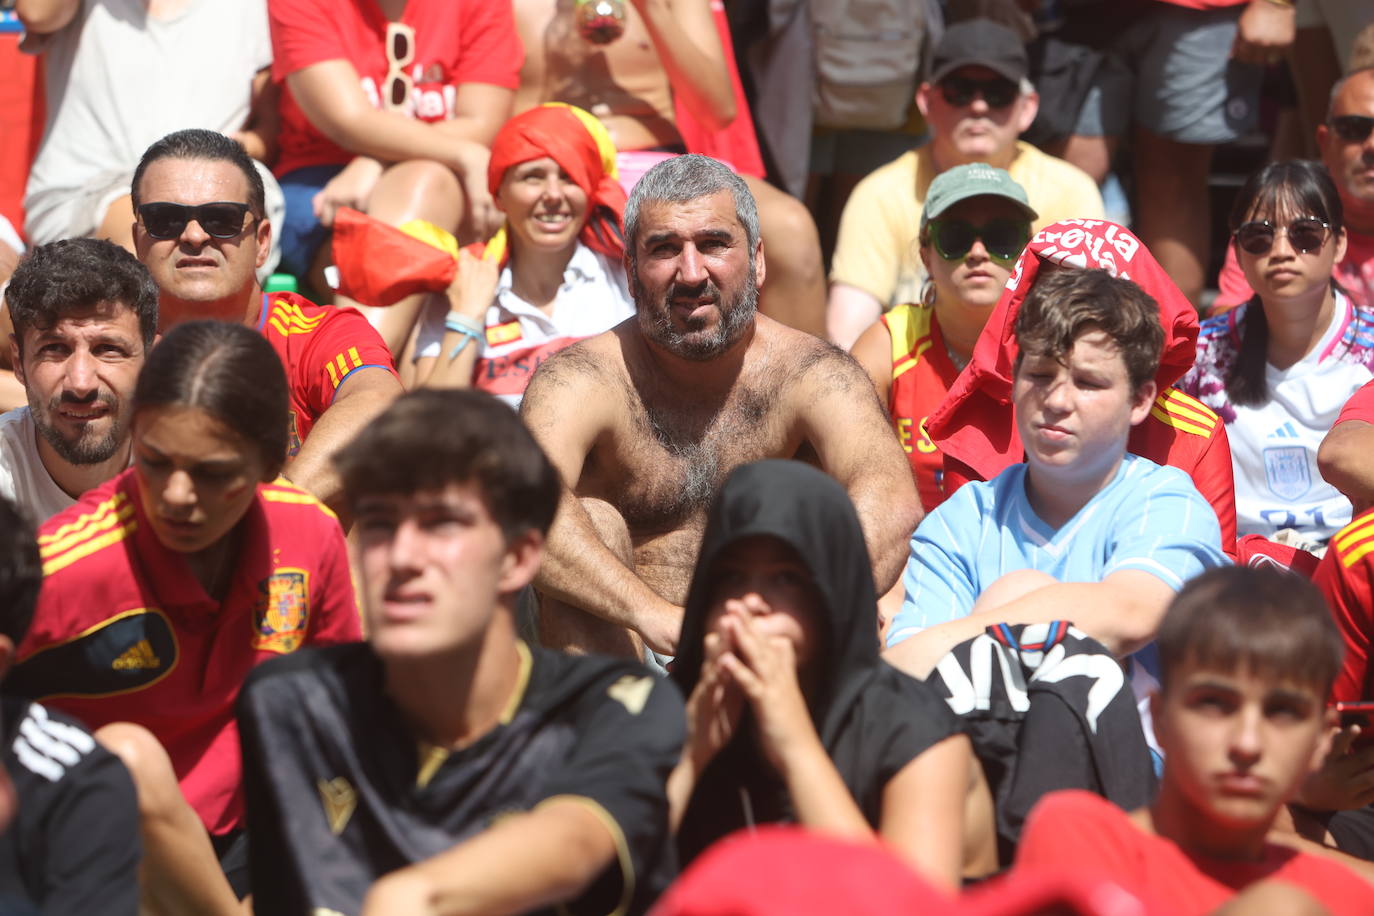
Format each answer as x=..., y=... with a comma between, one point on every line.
x=975, y=222
x=165, y=585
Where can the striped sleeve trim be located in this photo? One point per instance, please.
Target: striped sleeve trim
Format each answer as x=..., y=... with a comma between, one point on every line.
x=1184, y=413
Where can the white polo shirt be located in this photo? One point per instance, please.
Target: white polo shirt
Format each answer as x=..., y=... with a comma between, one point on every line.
x=593, y=298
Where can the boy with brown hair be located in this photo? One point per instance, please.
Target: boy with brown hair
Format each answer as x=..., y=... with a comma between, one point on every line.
x=1081, y=530
x=1247, y=659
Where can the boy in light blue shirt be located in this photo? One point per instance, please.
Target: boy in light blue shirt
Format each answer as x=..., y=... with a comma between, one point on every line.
x=1081, y=531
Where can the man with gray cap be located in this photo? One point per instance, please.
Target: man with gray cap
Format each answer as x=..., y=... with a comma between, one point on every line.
x=977, y=103
x=974, y=224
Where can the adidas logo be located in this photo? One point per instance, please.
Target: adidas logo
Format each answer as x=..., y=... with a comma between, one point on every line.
x=1285, y=431
x=139, y=656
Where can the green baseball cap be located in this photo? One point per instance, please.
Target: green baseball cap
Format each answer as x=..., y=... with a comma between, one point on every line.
x=977, y=179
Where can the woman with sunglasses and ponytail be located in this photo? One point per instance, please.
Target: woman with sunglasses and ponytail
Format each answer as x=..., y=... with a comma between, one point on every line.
x=1279, y=368
x=975, y=222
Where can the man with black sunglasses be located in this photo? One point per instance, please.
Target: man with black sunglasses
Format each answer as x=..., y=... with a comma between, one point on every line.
x=1347, y=145
x=201, y=230
x=977, y=103
x=1346, y=141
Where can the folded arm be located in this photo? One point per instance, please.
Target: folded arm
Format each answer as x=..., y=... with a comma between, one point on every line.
x=567, y=408
x=688, y=45
x=524, y=862
x=1343, y=460
x=328, y=93
x=843, y=420
x=360, y=397
x=1122, y=612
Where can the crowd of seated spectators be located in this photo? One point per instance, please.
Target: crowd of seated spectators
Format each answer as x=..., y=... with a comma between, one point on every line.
x=471, y=456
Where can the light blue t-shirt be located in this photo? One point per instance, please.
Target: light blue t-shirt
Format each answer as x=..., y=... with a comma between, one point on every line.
x=1149, y=518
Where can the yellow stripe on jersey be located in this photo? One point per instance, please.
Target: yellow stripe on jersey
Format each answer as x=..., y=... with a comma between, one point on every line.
x=87, y=548
x=1350, y=559
x=1184, y=413
x=104, y=523
x=333, y=374
x=292, y=312
x=1186, y=407
x=909, y=326
x=82, y=521
x=1354, y=540
x=289, y=319
x=295, y=497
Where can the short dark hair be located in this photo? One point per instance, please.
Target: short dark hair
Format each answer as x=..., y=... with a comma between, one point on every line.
x=228, y=370
x=198, y=143
x=429, y=439
x=73, y=275
x=1272, y=623
x=1305, y=188
x=1064, y=303
x=21, y=572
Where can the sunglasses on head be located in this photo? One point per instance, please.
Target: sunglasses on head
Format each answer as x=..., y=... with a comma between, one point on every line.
x=1003, y=238
x=222, y=219
x=998, y=92
x=1305, y=234
x=1352, y=128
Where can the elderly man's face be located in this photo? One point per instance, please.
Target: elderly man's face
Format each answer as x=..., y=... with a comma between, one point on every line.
x=694, y=281
x=193, y=267
x=976, y=114
x=1347, y=141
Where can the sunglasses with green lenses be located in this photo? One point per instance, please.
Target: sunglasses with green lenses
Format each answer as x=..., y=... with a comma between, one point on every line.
x=1003, y=238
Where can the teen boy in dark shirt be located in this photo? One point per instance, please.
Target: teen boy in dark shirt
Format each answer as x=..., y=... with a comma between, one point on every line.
x=446, y=766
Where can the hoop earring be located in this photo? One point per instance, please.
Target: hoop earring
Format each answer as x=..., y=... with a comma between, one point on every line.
x=927, y=295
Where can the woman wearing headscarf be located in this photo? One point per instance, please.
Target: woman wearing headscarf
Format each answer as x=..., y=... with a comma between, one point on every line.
x=792, y=716
x=551, y=275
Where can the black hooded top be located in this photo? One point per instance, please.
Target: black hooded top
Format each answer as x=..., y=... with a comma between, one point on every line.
x=872, y=719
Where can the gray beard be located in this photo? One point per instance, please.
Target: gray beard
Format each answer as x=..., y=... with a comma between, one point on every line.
x=736, y=315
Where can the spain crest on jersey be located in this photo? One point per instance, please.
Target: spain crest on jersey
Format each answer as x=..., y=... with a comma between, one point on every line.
x=282, y=611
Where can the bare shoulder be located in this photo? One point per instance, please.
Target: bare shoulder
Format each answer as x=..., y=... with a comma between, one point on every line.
x=810, y=366
x=587, y=363
x=577, y=381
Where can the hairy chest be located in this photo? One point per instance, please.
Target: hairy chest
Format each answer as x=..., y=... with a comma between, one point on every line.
x=662, y=468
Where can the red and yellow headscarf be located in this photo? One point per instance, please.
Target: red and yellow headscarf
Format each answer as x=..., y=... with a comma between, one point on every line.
x=381, y=264
x=582, y=147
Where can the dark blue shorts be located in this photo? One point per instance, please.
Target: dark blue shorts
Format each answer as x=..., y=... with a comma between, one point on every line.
x=300, y=232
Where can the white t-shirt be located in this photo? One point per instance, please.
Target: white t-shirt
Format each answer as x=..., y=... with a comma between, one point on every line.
x=23, y=478
x=592, y=299
x=1274, y=446
x=117, y=80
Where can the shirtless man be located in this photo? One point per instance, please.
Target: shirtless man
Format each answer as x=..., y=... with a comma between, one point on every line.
x=667, y=48
x=646, y=420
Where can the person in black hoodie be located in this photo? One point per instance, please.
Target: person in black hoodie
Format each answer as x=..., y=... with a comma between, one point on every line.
x=792, y=716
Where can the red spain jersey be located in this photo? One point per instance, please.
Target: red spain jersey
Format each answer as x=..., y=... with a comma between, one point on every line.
x=1346, y=579
x=319, y=346
x=921, y=375
x=124, y=632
